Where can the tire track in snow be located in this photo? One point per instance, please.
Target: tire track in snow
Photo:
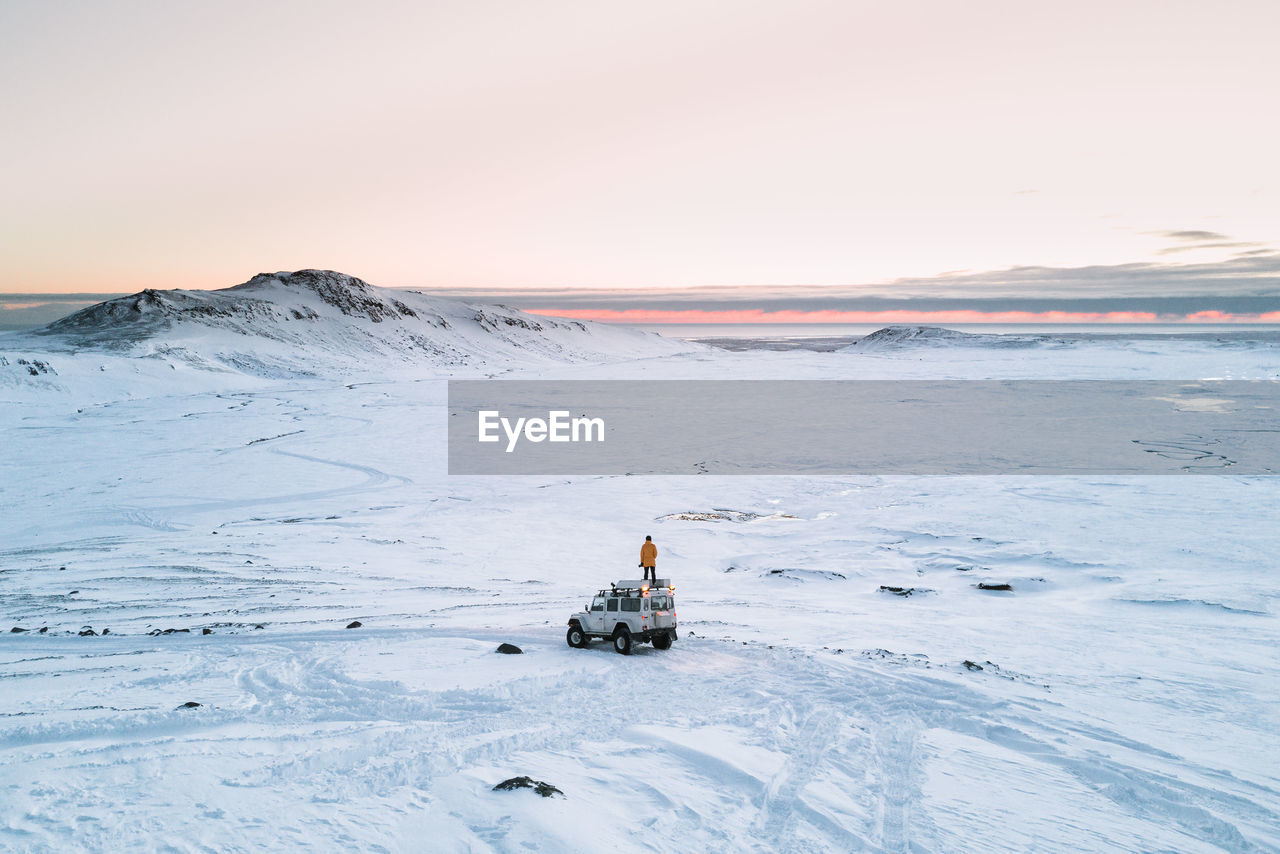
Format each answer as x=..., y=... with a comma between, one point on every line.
x=489, y=725
x=317, y=725
x=781, y=810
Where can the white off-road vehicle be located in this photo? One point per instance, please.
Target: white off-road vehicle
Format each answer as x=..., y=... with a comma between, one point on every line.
x=628, y=612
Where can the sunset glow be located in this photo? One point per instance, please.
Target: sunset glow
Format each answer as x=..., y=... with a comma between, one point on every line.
x=577, y=144
x=645, y=316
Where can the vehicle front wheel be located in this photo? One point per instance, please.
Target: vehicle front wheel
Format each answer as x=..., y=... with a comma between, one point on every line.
x=662, y=641
x=576, y=637
x=622, y=641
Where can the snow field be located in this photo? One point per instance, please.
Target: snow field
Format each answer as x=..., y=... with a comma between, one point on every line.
x=1126, y=698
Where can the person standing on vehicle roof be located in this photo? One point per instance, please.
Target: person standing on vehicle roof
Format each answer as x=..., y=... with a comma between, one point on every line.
x=649, y=560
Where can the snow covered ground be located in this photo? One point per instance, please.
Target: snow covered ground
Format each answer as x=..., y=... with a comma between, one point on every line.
x=1123, y=695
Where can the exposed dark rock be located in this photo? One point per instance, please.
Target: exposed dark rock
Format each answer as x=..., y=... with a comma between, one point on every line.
x=17, y=630
x=897, y=591
x=43, y=630
x=982, y=585
x=544, y=789
x=348, y=294
x=972, y=665
x=106, y=631
x=155, y=632
x=190, y=704
x=88, y=631
x=206, y=631
x=73, y=592
x=510, y=649
x=259, y=626
x=35, y=367
x=354, y=624
x=491, y=321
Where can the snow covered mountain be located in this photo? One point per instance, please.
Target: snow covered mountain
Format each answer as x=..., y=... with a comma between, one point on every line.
x=314, y=321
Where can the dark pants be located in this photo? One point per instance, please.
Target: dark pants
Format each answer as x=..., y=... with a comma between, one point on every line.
x=650, y=573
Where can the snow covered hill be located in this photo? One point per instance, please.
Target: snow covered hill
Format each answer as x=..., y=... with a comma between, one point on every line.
x=318, y=321
x=896, y=337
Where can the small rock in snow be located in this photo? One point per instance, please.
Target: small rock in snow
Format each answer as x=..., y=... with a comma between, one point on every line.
x=982, y=585
x=897, y=591
x=206, y=631
x=16, y=630
x=88, y=631
x=510, y=649
x=190, y=704
x=972, y=665
x=544, y=789
x=354, y=624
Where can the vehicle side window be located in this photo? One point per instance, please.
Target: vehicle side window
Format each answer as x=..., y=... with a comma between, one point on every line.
x=597, y=604
x=613, y=604
x=631, y=604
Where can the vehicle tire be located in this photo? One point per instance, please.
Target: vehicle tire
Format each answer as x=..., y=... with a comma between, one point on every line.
x=622, y=640
x=576, y=637
x=662, y=641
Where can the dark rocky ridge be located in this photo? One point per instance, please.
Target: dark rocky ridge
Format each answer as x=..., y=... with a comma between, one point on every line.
x=257, y=301
x=893, y=337
x=353, y=297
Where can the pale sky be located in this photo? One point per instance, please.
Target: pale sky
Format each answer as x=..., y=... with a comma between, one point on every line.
x=581, y=143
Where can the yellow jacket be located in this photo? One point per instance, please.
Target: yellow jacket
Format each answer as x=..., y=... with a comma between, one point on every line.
x=648, y=554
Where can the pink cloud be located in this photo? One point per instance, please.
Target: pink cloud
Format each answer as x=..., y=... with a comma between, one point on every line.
x=753, y=315
x=644, y=315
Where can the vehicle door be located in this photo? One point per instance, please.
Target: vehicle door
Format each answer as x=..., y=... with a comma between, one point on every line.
x=612, y=614
x=595, y=616
x=661, y=616
x=630, y=613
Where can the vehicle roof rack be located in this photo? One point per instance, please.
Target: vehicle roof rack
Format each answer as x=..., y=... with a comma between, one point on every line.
x=635, y=587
